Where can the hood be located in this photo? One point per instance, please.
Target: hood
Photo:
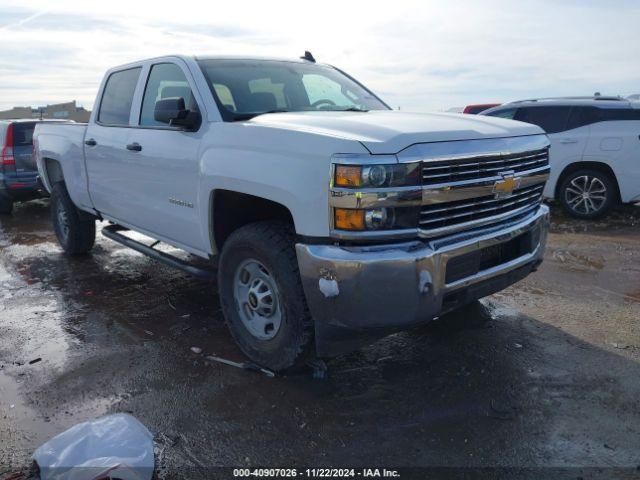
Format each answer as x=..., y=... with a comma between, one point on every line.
x=389, y=132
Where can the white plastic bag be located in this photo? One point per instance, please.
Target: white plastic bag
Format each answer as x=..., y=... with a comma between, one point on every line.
x=113, y=446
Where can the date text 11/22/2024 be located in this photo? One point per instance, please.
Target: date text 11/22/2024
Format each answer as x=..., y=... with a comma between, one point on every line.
x=315, y=473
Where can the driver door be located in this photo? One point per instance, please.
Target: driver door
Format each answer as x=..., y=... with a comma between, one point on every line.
x=165, y=169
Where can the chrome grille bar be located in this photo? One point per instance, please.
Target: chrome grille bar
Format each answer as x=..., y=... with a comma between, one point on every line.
x=522, y=193
x=479, y=168
x=437, y=218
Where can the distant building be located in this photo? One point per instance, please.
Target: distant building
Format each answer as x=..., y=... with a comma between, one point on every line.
x=62, y=111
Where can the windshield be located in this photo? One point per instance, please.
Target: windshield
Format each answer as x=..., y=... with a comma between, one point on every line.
x=246, y=88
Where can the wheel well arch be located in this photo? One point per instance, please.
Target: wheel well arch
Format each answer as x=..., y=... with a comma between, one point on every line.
x=53, y=171
x=574, y=167
x=230, y=210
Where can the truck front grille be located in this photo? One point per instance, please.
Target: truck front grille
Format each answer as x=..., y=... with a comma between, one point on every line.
x=479, y=168
x=438, y=217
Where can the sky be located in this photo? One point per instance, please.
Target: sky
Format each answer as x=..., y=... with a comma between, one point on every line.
x=417, y=55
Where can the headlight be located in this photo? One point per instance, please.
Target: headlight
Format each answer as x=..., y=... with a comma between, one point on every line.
x=386, y=218
x=377, y=176
x=378, y=218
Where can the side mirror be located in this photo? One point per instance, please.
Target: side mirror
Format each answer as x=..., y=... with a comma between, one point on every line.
x=173, y=112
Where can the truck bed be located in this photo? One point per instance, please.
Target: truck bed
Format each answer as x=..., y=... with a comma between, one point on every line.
x=63, y=143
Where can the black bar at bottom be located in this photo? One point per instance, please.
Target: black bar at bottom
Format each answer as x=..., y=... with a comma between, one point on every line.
x=111, y=231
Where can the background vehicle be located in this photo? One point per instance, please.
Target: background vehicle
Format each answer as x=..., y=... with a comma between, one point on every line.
x=479, y=107
x=18, y=170
x=335, y=219
x=595, y=149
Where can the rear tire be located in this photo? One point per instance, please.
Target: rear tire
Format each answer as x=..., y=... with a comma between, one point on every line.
x=75, y=235
x=588, y=194
x=6, y=205
x=262, y=297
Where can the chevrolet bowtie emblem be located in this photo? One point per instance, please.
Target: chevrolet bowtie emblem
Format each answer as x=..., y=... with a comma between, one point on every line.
x=506, y=186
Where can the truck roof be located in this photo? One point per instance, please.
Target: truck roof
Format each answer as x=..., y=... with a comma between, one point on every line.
x=213, y=57
x=247, y=57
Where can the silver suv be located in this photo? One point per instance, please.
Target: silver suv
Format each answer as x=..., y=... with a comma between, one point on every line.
x=595, y=149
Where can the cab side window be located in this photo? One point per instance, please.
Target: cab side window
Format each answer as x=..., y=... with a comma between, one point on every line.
x=166, y=80
x=550, y=119
x=117, y=98
x=582, y=116
x=508, y=113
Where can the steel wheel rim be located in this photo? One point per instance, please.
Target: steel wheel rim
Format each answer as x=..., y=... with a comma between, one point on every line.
x=63, y=222
x=586, y=194
x=257, y=299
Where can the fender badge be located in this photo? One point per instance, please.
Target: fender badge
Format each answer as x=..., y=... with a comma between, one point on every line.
x=181, y=203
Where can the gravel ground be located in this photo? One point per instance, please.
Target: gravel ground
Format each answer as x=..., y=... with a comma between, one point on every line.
x=545, y=374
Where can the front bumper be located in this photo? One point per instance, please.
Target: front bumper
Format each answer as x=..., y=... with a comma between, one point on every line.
x=357, y=294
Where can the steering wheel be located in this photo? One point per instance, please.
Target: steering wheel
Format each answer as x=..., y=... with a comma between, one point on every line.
x=322, y=101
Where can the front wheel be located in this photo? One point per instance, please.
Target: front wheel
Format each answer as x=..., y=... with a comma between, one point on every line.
x=75, y=234
x=587, y=194
x=262, y=298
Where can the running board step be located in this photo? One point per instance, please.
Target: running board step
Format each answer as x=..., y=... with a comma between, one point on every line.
x=113, y=232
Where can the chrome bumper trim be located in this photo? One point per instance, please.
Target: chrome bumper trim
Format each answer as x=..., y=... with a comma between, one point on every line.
x=394, y=286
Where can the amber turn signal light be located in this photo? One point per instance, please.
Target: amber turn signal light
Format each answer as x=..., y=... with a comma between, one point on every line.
x=348, y=219
x=348, y=176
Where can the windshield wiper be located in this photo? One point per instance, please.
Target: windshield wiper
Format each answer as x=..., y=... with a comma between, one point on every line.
x=277, y=110
x=237, y=117
x=350, y=109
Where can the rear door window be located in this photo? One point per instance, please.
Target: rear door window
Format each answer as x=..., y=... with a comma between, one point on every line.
x=618, y=114
x=582, y=116
x=117, y=98
x=550, y=119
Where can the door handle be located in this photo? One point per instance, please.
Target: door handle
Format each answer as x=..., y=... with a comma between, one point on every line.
x=567, y=141
x=135, y=147
x=90, y=142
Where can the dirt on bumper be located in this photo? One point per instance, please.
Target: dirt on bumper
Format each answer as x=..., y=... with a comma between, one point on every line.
x=358, y=294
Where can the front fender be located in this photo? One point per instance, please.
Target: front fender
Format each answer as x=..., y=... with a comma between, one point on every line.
x=287, y=167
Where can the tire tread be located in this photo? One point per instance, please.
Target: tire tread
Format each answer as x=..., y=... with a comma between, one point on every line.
x=82, y=233
x=278, y=239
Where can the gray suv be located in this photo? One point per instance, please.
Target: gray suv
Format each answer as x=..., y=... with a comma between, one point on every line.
x=18, y=170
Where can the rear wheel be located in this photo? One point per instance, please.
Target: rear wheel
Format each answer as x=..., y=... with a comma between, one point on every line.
x=262, y=297
x=587, y=194
x=75, y=234
x=6, y=205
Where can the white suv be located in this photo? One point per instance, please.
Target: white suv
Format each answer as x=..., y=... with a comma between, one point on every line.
x=595, y=149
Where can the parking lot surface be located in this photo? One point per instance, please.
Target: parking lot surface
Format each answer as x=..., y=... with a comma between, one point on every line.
x=543, y=374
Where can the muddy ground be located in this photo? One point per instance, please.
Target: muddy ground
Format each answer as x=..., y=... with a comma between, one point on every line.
x=544, y=374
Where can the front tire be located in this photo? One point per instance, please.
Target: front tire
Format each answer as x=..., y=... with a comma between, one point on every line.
x=587, y=194
x=262, y=297
x=75, y=234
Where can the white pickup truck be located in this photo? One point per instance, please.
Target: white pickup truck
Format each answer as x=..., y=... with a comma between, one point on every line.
x=331, y=219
